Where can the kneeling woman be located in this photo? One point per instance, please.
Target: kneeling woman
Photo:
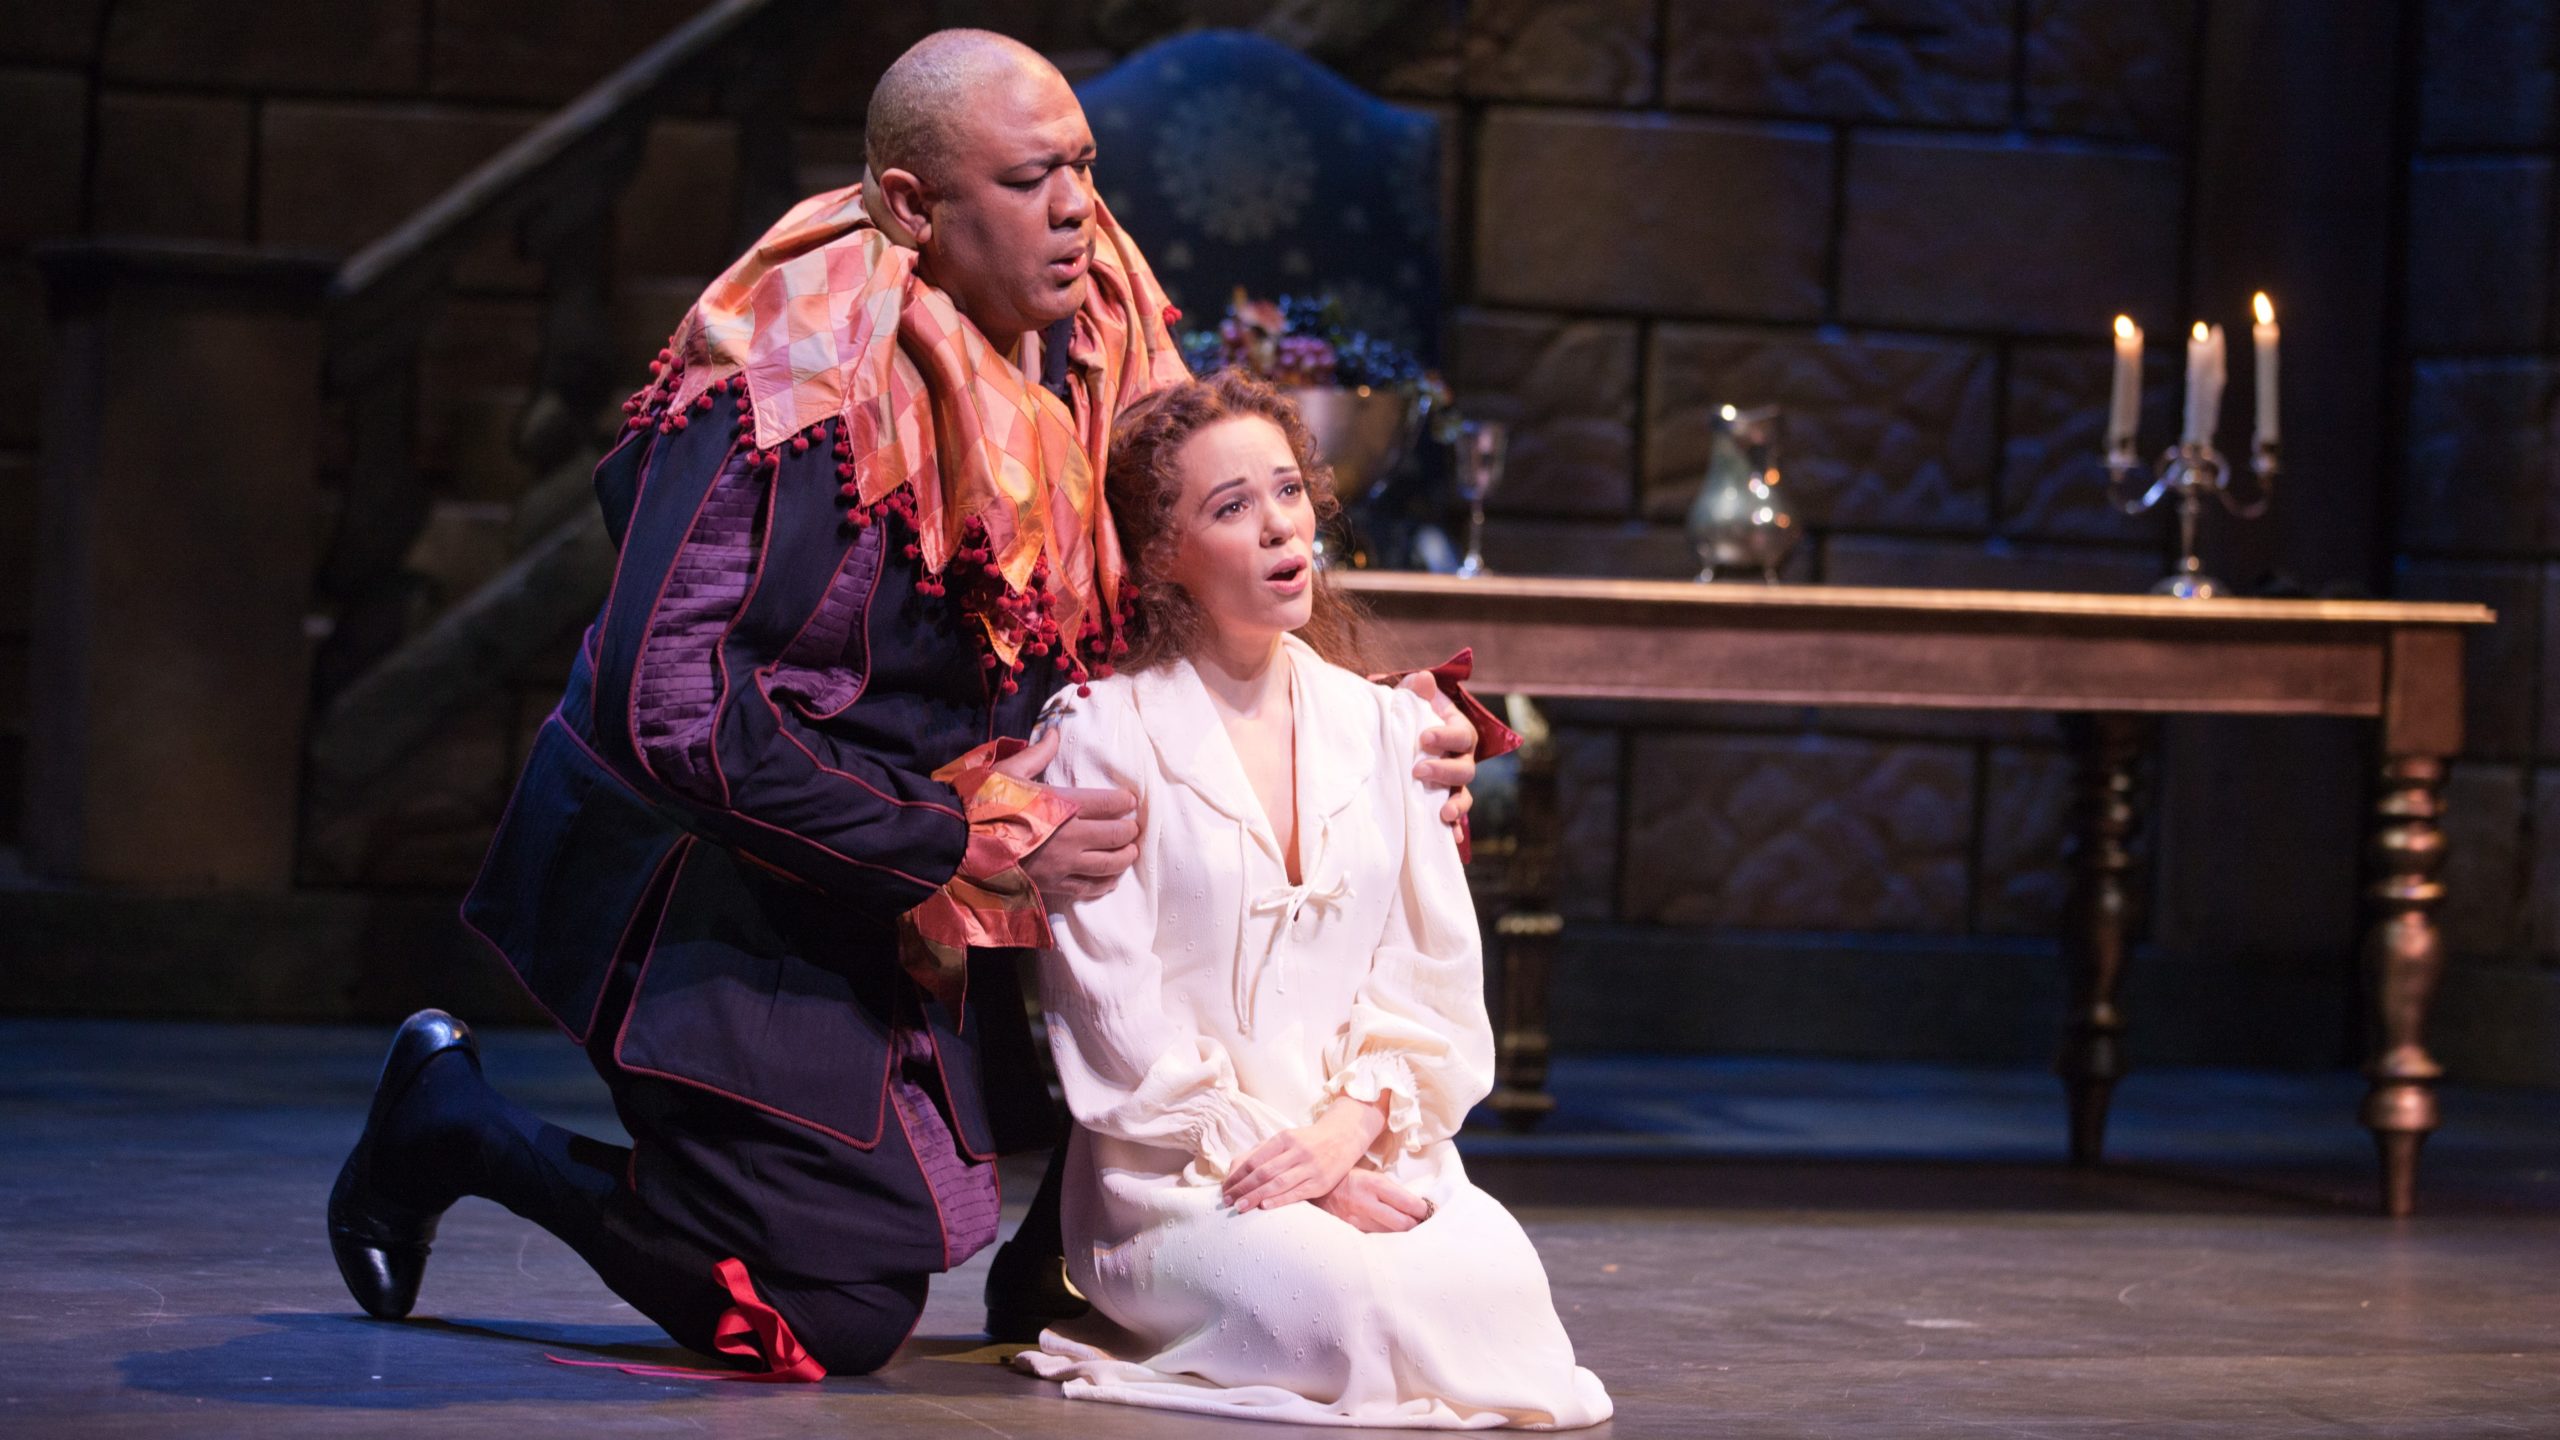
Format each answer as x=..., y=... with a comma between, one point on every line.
x=1271, y=1027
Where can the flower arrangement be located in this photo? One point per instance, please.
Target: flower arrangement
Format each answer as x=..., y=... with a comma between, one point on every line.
x=1300, y=340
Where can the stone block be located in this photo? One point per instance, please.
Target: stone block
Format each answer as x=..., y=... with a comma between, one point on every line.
x=2542, y=869
x=1662, y=216
x=540, y=54
x=2498, y=665
x=469, y=445
x=41, y=151
x=1920, y=61
x=2123, y=69
x=2033, y=238
x=2478, y=474
x=2487, y=860
x=474, y=368
x=427, y=824
x=2053, y=474
x=335, y=177
x=17, y=548
x=1587, y=815
x=1599, y=51
x=1421, y=56
x=172, y=165
x=1623, y=550
x=829, y=157
x=2547, y=717
x=50, y=31
x=1998, y=565
x=2480, y=253
x=2026, y=813
x=2489, y=73
x=1809, y=833
x=675, y=217
x=1567, y=390
x=336, y=46
x=23, y=314
x=1880, y=431
x=846, y=53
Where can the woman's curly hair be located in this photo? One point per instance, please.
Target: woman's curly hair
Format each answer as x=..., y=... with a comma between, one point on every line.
x=1144, y=486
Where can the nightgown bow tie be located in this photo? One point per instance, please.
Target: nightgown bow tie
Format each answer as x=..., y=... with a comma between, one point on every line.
x=1287, y=902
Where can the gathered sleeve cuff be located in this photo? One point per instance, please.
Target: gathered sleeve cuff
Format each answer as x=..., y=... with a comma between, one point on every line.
x=991, y=900
x=1493, y=738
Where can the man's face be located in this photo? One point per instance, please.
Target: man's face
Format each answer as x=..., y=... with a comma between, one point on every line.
x=1011, y=235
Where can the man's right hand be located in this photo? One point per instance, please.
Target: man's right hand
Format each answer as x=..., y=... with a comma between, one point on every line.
x=1087, y=855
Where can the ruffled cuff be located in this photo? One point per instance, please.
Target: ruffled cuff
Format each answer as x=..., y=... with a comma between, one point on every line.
x=1370, y=1077
x=1493, y=738
x=1221, y=1133
x=991, y=902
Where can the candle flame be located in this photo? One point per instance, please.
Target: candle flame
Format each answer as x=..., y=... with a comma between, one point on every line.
x=2266, y=308
x=2200, y=333
x=1728, y=412
x=2124, y=327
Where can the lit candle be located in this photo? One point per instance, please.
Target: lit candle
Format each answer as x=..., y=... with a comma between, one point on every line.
x=2204, y=384
x=2124, y=409
x=2262, y=337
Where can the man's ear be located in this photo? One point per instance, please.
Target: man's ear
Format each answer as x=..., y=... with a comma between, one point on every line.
x=904, y=194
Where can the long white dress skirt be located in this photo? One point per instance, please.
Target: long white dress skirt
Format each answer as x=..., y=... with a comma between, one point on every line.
x=1292, y=1315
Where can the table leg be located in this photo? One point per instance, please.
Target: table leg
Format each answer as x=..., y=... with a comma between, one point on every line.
x=2403, y=958
x=1526, y=932
x=2108, y=749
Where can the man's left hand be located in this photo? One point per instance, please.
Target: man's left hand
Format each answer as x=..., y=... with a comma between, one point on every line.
x=1448, y=748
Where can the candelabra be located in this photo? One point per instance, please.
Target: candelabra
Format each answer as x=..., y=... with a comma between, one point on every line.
x=2190, y=470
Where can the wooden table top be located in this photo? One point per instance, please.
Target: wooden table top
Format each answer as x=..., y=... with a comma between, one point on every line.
x=1401, y=592
x=2399, y=662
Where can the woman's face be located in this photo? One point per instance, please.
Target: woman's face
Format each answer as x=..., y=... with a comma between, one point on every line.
x=1248, y=530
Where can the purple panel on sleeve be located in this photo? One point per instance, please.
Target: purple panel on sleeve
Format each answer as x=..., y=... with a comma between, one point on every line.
x=965, y=1193
x=823, y=668
x=675, y=689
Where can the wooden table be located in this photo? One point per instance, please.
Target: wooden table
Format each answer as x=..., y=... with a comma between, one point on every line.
x=2106, y=663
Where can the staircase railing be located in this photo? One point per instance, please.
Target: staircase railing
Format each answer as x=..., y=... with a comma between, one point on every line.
x=381, y=691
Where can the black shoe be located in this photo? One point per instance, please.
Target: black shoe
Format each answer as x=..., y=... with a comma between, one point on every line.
x=381, y=1244
x=1027, y=1293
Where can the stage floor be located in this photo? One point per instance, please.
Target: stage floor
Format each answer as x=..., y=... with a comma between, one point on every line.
x=1740, y=1248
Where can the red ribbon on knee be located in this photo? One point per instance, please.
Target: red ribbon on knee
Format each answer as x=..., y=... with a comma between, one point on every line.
x=749, y=1329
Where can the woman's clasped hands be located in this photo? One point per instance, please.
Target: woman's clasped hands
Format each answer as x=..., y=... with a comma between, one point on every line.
x=1320, y=1163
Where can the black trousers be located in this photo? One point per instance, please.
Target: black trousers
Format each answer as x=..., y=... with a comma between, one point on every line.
x=456, y=1135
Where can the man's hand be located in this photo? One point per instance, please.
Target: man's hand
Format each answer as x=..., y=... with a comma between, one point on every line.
x=1373, y=1204
x=1304, y=1163
x=1448, y=748
x=1087, y=855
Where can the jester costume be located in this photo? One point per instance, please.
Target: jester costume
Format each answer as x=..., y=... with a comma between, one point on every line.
x=758, y=864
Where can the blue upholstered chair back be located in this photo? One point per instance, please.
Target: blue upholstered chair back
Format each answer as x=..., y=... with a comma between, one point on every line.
x=1235, y=160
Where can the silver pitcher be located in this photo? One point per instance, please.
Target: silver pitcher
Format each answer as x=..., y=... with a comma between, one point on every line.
x=1739, y=520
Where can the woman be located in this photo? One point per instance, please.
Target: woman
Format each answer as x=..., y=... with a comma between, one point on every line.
x=1269, y=1030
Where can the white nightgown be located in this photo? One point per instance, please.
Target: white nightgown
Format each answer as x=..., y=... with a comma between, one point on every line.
x=1205, y=1004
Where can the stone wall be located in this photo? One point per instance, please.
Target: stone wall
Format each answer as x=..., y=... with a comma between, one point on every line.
x=2478, y=509
x=1907, y=221
x=1908, y=224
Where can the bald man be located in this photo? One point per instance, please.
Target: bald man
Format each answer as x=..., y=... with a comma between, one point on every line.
x=772, y=857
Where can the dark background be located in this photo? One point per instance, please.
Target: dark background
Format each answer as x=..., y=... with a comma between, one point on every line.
x=1908, y=221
